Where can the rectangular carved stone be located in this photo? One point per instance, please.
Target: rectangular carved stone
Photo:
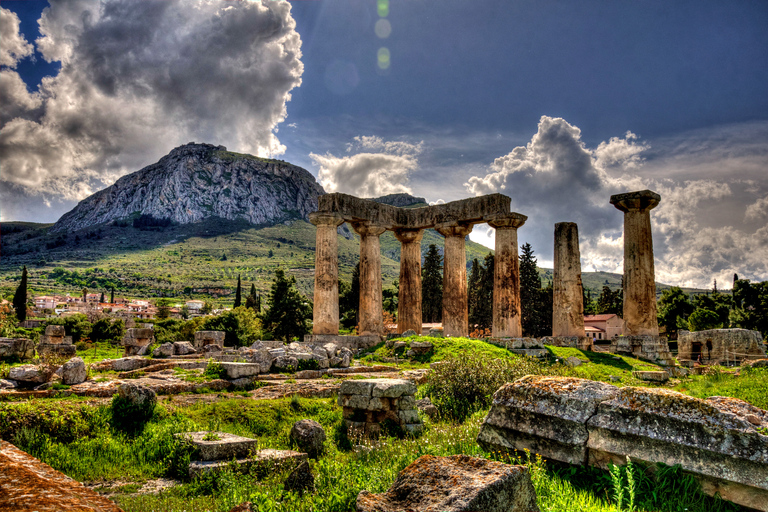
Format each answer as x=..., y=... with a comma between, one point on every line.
x=226, y=447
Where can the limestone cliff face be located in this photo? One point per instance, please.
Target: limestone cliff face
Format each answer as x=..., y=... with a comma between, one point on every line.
x=198, y=181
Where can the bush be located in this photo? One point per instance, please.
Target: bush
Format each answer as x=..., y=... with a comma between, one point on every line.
x=308, y=364
x=461, y=385
x=214, y=370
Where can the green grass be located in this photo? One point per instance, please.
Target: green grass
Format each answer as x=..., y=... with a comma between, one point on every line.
x=601, y=366
x=443, y=348
x=750, y=385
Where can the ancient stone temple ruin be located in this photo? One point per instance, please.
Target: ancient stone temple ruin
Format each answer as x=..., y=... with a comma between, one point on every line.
x=720, y=346
x=454, y=221
x=567, y=297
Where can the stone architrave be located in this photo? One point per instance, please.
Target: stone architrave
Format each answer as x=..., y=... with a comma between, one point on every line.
x=506, y=276
x=639, y=275
x=326, y=307
x=455, y=313
x=568, y=298
x=409, y=297
x=371, y=311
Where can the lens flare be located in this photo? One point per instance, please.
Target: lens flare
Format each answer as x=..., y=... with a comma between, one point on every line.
x=383, y=58
x=383, y=28
x=383, y=8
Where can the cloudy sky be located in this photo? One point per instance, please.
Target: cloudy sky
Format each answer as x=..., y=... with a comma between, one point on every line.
x=557, y=104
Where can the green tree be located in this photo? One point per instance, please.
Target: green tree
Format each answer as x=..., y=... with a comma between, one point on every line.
x=288, y=313
x=76, y=326
x=702, y=319
x=102, y=298
x=750, y=305
x=530, y=286
x=473, y=292
x=163, y=309
x=349, y=299
x=207, y=308
x=252, y=300
x=20, y=297
x=107, y=330
x=112, y=296
x=390, y=297
x=480, y=293
x=241, y=325
x=610, y=301
x=238, y=294
x=432, y=286
x=720, y=303
x=673, y=305
x=590, y=308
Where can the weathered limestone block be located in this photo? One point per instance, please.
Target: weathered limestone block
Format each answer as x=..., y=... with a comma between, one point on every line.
x=715, y=439
x=183, y=348
x=239, y=370
x=27, y=374
x=27, y=485
x=263, y=460
x=285, y=364
x=22, y=349
x=367, y=403
x=127, y=364
x=203, y=338
x=262, y=357
x=137, y=340
x=545, y=415
x=455, y=484
x=577, y=421
x=651, y=376
x=73, y=372
x=164, y=350
x=220, y=445
x=719, y=345
x=650, y=348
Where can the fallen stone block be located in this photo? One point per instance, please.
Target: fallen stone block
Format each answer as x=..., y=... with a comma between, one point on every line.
x=238, y=370
x=651, y=376
x=455, y=484
x=27, y=374
x=309, y=437
x=263, y=460
x=220, y=445
x=73, y=372
x=183, y=348
x=718, y=440
x=27, y=485
x=127, y=364
x=164, y=350
x=203, y=338
x=22, y=349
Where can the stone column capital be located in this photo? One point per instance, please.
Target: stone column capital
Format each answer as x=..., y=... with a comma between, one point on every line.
x=453, y=229
x=365, y=228
x=641, y=201
x=326, y=219
x=407, y=236
x=509, y=220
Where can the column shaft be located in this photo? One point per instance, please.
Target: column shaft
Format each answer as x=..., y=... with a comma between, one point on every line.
x=639, y=273
x=568, y=298
x=409, y=297
x=325, y=312
x=455, y=313
x=506, y=277
x=371, y=311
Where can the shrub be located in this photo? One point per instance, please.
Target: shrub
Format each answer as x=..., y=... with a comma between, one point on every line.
x=215, y=370
x=461, y=385
x=308, y=364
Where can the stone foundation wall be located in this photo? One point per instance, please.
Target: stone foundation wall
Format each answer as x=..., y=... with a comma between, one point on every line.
x=720, y=345
x=369, y=403
x=583, y=422
x=651, y=348
x=203, y=338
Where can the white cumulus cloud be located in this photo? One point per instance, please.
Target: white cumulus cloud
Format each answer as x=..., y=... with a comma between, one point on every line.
x=15, y=47
x=374, y=167
x=139, y=78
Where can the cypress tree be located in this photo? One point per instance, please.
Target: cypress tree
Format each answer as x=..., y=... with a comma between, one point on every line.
x=432, y=286
x=112, y=296
x=485, y=313
x=20, y=297
x=530, y=286
x=250, y=301
x=288, y=313
x=102, y=298
x=473, y=294
x=238, y=294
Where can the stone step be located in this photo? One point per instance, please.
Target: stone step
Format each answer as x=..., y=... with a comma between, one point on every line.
x=264, y=460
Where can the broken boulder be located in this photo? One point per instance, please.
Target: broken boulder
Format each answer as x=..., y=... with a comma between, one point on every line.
x=73, y=372
x=309, y=437
x=455, y=484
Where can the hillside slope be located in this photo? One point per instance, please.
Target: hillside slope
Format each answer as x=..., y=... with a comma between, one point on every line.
x=199, y=181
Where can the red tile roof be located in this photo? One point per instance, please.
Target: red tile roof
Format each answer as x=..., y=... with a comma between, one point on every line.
x=598, y=318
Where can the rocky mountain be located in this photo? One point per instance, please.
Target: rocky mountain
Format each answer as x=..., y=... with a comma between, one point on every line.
x=200, y=181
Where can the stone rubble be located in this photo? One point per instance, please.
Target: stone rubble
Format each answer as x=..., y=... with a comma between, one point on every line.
x=309, y=437
x=137, y=340
x=22, y=349
x=73, y=372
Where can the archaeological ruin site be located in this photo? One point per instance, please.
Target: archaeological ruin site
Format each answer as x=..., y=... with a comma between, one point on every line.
x=378, y=384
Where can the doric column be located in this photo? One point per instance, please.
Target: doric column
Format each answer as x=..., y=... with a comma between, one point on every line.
x=409, y=298
x=506, y=276
x=371, y=312
x=326, y=308
x=639, y=274
x=455, y=314
x=568, y=295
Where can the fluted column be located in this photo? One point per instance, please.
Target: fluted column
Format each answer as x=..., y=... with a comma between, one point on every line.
x=455, y=313
x=568, y=293
x=506, y=276
x=325, y=313
x=371, y=312
x=639, y=273
x=409, y=297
